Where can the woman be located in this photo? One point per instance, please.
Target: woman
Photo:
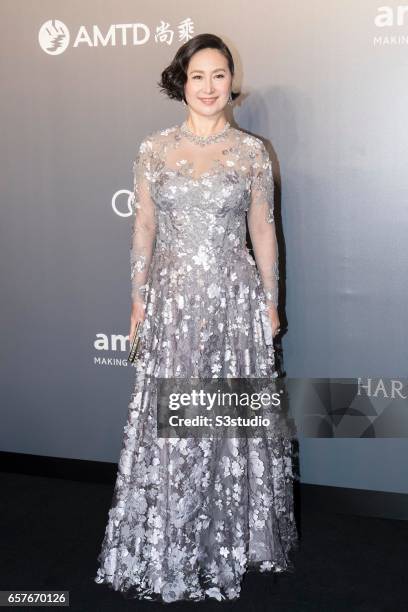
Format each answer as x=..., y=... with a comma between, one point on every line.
x=189, y=516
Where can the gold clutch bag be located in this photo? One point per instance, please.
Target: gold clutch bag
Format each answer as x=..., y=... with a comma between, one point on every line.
x=134, y=344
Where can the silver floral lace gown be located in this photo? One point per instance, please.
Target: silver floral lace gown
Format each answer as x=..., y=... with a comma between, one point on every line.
x=189, y=516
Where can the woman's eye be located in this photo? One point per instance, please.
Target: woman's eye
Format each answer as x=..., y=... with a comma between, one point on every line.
x=198, y=76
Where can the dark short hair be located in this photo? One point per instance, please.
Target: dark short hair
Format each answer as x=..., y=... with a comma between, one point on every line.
x=174, y=77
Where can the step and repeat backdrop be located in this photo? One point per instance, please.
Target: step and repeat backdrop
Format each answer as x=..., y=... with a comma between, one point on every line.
x=324, y=83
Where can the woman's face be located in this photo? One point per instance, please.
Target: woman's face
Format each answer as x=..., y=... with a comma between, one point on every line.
x=209, y=82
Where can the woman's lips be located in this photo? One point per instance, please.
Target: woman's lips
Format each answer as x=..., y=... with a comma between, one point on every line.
x=208, y=100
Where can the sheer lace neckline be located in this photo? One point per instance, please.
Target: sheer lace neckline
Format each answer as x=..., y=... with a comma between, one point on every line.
x=204, y=140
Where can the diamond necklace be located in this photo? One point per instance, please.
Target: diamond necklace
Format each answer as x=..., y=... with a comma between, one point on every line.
x=203, y=140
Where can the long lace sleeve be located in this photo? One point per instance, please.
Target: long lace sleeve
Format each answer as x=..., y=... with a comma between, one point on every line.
x=261, y=224
x=144, y=222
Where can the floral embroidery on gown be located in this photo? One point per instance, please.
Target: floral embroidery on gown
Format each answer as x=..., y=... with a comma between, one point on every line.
x=190, y=516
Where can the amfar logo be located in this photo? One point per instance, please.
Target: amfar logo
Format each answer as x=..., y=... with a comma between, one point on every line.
x=54, y=36
x=114, y=342
x=389, y=16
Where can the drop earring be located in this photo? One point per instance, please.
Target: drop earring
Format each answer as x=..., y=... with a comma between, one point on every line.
x=230, y=99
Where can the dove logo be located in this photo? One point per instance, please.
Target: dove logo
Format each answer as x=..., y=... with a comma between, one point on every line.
x=53, y=37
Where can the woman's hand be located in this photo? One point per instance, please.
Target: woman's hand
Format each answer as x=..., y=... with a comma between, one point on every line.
x=274, y=319
x=137, y=314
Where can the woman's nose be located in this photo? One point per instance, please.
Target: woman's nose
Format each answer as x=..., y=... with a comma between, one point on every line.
x=208, y=86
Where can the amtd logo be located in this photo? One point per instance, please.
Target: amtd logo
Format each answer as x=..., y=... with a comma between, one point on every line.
x=54, y=36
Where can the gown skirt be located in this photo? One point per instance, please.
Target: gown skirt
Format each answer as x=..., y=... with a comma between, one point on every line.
x=189, y=516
